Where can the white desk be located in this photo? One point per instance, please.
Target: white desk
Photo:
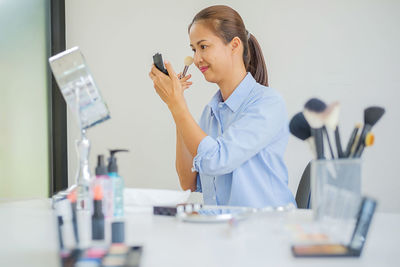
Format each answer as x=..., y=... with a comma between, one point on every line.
x=27, y=238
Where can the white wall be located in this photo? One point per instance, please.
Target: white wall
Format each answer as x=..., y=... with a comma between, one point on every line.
x=335, y=50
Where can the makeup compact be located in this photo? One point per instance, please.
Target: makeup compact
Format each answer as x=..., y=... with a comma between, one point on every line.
x=178, y=209
x=217, y=214
x=354, y=248
x=159, y=63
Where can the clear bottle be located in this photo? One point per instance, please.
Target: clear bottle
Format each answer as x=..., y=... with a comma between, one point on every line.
x=117, y=184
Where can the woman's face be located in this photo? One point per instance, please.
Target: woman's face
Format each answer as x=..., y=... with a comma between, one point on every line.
x=211, y=55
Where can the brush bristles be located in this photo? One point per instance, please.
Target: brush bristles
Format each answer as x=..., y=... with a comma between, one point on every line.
x=188, y=61
x=373, y=114
x=315, y=105
x=332, y=116
x=313, y=119
x=299, y=127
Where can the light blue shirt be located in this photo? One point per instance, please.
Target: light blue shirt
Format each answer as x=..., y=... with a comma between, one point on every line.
x=240, y=161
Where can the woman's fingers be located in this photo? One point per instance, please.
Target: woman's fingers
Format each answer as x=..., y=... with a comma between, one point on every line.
x=187, y=77
x=186, y=85
x=169, y=68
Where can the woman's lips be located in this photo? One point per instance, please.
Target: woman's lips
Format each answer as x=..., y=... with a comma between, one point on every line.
x=203, y=69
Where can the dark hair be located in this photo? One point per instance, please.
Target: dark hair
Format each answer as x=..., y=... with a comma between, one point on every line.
x=226, y=23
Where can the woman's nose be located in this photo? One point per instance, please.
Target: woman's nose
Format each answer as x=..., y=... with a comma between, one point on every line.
x=197, y=59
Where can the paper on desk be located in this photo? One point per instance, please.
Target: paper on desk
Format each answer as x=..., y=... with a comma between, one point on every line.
x=154, y=197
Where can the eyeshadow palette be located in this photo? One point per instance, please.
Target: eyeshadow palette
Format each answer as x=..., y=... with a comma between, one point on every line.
x=116, y=255
x=354, y=248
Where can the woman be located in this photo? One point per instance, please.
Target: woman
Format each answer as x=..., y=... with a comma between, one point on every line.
x=234, y=156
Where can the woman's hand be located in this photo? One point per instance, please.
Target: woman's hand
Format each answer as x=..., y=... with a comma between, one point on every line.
x=169, y=88
x=184, y=81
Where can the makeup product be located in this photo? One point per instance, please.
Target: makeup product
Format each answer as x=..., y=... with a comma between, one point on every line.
x=173, y=210
x=371, y=116
x=188, y=61
x=84, y=219
x=354, y=248
x=159, y=63
x=165, y=210
x=104, y=181
x=117, y=255
x=117, y=183
x=300, y=128
x=352, y=140
x=72, y=199
x=66, y=226
x=118, y=231
x=215, y=214
x=121, y=255
x=98, y=216
x=312, y=113
x=332, y=121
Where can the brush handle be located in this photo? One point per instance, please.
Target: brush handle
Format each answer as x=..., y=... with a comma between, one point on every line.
x=311, y=143
x=359, y=151
x=319, y=142
x=185, y=69
x=350, y=142
x=338, y=143
x=329, y=142
x=363, y=134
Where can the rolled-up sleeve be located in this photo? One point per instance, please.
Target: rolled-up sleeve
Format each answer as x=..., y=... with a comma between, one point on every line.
x=198, y=184
x=257, y=126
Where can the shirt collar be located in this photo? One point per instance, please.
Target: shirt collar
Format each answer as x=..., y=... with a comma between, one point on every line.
x=238, y=95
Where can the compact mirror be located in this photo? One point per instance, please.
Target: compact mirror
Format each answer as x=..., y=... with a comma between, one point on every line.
x=212, y=214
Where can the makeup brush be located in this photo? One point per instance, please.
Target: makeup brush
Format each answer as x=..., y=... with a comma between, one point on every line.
x=312, y=113
x=352, y=139
x=353, y=147
x=300, y=128
x=332, y=121
x=188, y=61
x=329, y=141
x=371, y=116
x=369, y=141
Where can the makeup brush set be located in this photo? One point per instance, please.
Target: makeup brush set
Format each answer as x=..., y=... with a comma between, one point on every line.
x=317, y=119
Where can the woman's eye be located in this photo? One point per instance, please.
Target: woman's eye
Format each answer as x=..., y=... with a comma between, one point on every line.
x=203, y=46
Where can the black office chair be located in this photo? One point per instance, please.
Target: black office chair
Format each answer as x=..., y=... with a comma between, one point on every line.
x=303, y=194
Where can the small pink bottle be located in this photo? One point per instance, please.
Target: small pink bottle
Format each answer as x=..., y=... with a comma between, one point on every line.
x=104, y=181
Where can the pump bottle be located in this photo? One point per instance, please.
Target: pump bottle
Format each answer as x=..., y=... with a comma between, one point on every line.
x=117, y=184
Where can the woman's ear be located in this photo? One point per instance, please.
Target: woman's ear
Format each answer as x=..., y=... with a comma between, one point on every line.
x=236, y=45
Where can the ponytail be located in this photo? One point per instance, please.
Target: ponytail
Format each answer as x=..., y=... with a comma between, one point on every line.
x=256, y=64
x=226, y=23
